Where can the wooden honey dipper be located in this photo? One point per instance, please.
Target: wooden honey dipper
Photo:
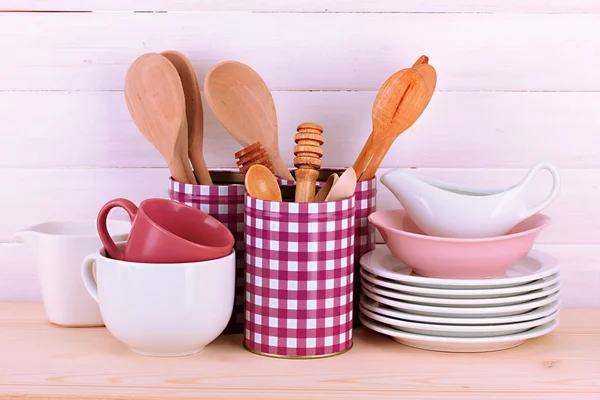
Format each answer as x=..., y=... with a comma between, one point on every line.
x=308, y=152
x=252, y=155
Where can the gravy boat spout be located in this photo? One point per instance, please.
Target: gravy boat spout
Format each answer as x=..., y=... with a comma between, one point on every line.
x=448, y=210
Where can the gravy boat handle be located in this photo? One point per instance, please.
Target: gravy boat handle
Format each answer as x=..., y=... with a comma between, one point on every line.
x=543, y=165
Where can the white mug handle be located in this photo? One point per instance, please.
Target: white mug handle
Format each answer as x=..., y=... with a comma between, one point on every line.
x=87, y=274
x=543, y=165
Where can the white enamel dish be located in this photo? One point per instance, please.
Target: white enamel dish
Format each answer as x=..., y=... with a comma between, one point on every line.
x=536, y=313
x=459, y=345
x=458, y=330
x=536, y=265
x=452, y=311
x=460, y=293
x=462, y=302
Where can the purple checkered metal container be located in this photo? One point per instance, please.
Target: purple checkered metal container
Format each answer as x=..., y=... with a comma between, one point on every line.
x=299, y=277
x=364, y=232
x=224, y=200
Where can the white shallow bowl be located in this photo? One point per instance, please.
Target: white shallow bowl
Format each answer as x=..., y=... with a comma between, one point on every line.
x=463, y=302
x=536, y=265
x=536, y=313
x=459, y=345
x=473, y=312
x=464, y=293
x=445, y=330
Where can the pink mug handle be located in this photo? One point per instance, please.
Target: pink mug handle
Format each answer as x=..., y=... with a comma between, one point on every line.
x=111, y=248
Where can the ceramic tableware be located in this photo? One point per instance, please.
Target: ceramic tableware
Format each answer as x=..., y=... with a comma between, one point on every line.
x=459, y=345
x=448, y=210
x=469, y=293
x=170, y=309
x=166, y=231
x=462, y=302
x=465, y=331
x=536, y=265
x=453, y=311
x=456, y=258
x=242, y=102
x=57, y=249
x=382, y=309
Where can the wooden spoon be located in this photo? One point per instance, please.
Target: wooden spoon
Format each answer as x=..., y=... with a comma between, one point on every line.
x=261, y=183
x=387, y=103
x=242, y=102
x=343, y=187
x=194, y=113
x=324, y=191
x=156, y=102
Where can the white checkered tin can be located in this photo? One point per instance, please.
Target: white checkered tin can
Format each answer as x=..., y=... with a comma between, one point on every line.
x=299, y=277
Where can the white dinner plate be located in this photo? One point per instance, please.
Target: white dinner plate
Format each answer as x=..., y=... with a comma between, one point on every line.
x=458, y=345
x=462, y=302
x=458, y=330
x=460, y=293
x=534, y=266
x=382, y=309
x=473, y=312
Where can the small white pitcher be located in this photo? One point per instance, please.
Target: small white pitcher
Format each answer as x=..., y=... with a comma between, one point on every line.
x=58, y=249
x=448, y=210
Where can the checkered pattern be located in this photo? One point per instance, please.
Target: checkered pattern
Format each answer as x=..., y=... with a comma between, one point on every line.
x=225, y=203
x=299, y=277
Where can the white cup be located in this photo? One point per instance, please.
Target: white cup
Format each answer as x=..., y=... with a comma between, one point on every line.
x=162, y=309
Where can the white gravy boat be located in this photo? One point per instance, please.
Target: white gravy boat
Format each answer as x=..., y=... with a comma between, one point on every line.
x=448, y=210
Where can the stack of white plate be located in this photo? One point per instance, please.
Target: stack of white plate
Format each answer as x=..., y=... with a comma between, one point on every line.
x=459, y=315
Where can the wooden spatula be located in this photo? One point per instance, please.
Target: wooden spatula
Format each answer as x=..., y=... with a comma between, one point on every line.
x=242, y=102
x=399, y=103
x=194, y=114
x=156, y=102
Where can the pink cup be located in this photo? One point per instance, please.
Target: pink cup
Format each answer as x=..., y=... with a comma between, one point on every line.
x=166, y=231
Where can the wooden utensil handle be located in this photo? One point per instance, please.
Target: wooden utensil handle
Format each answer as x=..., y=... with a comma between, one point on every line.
x=376, y=160
x=306, y=185
x=200, y=169
x=181, y=170
x=365, y=155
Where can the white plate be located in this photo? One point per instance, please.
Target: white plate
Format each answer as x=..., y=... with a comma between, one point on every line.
x=470, y=331
x=390, y=312
x=462, y=302
x=458, y=345
x=461, y=293
x=473, y=312
x=535, y=266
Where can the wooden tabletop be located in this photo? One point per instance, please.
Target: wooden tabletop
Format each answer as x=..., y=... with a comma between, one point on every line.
x=39, y=360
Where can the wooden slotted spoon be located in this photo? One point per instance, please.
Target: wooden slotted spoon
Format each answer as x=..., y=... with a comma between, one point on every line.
x=399, y=103
x=156, y=102
x=242, y=102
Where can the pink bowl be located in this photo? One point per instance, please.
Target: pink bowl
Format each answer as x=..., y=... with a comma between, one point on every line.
x=456, y=258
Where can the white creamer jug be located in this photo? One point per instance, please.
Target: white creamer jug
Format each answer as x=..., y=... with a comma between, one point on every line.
x=58, y=249
x=448, y=210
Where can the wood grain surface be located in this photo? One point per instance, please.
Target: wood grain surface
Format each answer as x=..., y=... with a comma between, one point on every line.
x=43, y=361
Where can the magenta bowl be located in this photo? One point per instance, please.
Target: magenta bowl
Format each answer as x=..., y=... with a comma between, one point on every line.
x=456, y=258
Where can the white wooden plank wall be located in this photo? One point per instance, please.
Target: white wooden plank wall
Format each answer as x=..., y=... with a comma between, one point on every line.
x=518, y=82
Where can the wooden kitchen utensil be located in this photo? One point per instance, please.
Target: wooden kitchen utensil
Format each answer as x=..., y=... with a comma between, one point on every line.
x=399, y=103
x=308, y=152
x=156, y=102
x=252, y=155
x=324, y=191
x=194, y=113
x=243, y=104
x=343, y=187
x=261, y=183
